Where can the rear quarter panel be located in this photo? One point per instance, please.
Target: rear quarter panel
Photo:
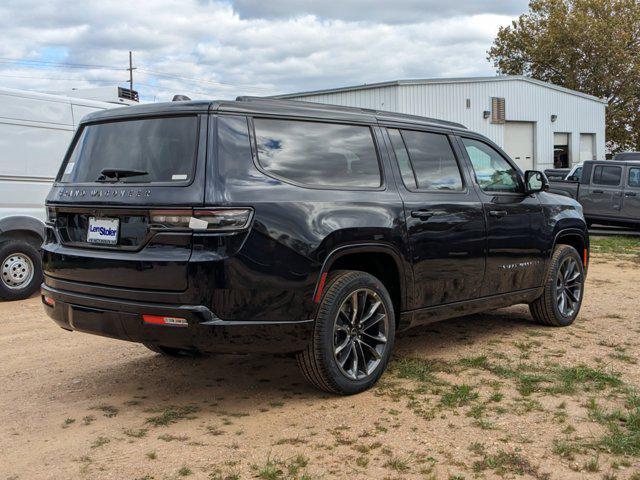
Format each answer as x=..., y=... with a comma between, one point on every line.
x=274, y=275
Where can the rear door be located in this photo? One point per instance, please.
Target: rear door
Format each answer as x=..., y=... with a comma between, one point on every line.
x=445, y=222
x=631, y=201
x=517, y=241
x=604, y=197
x=122, y=183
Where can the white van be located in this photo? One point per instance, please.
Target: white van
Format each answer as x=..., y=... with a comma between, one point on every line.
x=35, y=131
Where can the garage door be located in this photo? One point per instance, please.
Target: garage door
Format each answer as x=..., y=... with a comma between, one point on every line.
x=518, y=143
x=586, y=146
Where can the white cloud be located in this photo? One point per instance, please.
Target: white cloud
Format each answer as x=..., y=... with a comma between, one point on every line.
x=252, y=47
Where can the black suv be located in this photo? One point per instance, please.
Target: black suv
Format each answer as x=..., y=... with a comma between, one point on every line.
x=281, y=226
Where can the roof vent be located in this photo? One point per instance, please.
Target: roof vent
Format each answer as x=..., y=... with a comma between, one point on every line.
x=180, y=98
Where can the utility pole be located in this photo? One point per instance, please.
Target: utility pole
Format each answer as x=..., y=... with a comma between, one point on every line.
x=131, y=69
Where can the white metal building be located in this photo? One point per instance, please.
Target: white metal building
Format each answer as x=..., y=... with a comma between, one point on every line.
x=538, y=124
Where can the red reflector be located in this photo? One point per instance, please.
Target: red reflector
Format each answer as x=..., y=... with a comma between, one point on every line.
x=586, y=258
x=170, y=321
x=49, y=301
x=318, y=296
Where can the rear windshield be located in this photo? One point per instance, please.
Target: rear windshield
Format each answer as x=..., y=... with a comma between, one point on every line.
x=153, y=150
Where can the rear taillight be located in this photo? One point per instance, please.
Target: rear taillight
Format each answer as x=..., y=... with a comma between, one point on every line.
x=223, y=219
x=48, y=301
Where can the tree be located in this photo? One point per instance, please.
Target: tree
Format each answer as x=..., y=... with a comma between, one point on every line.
x=588, y=45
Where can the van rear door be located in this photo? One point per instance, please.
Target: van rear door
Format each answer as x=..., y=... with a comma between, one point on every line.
x=120, y=200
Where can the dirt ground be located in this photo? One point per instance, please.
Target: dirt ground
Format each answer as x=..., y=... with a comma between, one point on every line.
x=487, y=396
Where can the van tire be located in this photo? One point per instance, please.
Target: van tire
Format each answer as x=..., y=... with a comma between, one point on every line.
x=319, y=363
x=545, y=309
x=18, y=254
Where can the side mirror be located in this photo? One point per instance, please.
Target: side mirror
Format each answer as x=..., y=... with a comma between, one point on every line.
x=535, y=181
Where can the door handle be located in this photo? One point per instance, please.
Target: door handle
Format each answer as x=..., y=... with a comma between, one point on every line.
x=498, y=213
x=630, y=194
x=598, y=191
x=422, y=214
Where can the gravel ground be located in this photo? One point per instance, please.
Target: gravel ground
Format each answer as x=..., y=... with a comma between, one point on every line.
x=487, y=396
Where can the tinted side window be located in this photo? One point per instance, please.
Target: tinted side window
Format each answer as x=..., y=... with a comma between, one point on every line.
x=318, y=154
x=634, y=177
x=402, y=157
x=434, y=164
x=605, y=175
x=493, y=172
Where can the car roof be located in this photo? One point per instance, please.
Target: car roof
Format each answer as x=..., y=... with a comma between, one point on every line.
x=272, y=107
x=621, y=162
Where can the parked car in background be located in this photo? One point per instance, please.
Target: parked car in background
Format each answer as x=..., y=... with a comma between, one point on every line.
x=627, y=156
x=608, y=190
x=569, y=174
x=283, y=226
x=35, y=132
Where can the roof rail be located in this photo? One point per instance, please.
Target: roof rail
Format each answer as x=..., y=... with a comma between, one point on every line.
x=383, y=114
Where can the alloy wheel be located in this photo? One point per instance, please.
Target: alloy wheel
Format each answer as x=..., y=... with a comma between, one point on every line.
x=568, y=287
x=360, y=334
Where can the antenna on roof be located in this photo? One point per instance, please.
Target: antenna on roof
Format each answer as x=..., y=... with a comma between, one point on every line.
x=180, y=98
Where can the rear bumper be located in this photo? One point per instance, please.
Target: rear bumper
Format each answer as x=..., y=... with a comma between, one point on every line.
x=122, y=319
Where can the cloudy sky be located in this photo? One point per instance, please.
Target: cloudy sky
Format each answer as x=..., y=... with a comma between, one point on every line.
x=256, y=47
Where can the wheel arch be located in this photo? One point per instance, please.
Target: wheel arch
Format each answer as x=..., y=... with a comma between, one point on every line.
x=22, y=227
x=575, y=238
x=380, y=260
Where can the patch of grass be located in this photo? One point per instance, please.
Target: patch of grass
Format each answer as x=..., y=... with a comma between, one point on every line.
x=171, y=414
x=458, y=396
x=616, y=245
x=291, y=441
x=166, y=437
x=592, y=465
x=504, y=463
x=398, y=464
x=587, y=378
x=474, y=362
x=420, y=370
x=362, y=461
x=68, y=421
x=142, y=432
x=99, y=442
x=88, y=419
x=213, y=430
x=151, y=455
x=109, y=411
x=185, y=471
x=566, y=449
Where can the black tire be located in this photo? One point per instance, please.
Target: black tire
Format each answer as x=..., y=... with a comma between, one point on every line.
x=171, y=351
x=546, y=309
x=19, y=258
x=319, y=362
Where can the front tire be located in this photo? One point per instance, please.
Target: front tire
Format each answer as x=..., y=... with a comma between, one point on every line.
x=20, y=270
x=560, y=302
x=353, y=335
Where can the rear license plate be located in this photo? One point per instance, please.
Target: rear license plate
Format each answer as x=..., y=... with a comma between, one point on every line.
x=103, y=230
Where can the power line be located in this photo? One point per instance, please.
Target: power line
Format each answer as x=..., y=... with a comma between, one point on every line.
x=156, y=73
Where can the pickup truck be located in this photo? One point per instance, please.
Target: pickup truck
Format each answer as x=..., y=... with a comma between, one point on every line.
x=572, y=174
x=608, y=190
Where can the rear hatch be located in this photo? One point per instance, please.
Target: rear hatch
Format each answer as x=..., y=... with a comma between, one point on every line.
x=120, y=180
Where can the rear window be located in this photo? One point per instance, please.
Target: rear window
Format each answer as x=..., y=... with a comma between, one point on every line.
x=318, y=154
x=153, y=150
